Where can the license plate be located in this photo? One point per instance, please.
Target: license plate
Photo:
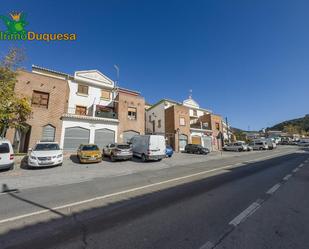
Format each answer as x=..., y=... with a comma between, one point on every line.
x=45, y=162
x=92, y=158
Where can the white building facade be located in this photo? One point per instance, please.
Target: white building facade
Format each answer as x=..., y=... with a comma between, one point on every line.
x=200, y=132
x=91, y=116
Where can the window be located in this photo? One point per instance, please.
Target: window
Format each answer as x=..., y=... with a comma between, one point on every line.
x=182, y=121
x=48, y=133
x=105, y=94
x=82, y=89
x=217, y=126
x=40, y=99
x=159, y=123
x=132, y=113
x=150, y=118
x=194, y=112
x=4, y=148
x=81, y=110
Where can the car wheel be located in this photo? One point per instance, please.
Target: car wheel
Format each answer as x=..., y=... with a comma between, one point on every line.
x=239, y=150
x=170, y=156
x=144, y=158
x=12, y=167
x=113, y=159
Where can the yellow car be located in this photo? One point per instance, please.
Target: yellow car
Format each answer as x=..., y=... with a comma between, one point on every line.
x=89, y=153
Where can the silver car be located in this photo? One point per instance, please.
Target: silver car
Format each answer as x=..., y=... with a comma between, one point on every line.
x=118, y=151
x=238, y=146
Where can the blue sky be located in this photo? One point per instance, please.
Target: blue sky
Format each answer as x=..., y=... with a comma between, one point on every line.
x=247, y=60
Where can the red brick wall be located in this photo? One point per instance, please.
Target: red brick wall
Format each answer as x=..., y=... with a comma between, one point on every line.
x=172, y=116
x=58, y=98
x=123, y=101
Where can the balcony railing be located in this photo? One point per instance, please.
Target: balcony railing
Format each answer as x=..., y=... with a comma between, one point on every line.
x=94, y=111
x=200, y=125
x=104, y=114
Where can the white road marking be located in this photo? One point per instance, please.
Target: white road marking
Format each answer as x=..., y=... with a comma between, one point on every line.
x=113, y=194
x=207, y=245
x=287, y=177
x=273, y=189
x=245, y=214
x=295, y=170
x=301, y=165
x=15, y=218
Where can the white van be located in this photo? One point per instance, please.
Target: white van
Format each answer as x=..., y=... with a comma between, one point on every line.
x=148, y=147
x=6, y=154
x=271, y=143
x=259, y=145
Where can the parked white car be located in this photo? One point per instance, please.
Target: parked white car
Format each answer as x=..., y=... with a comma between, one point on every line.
x=149, y=147
x=259, y=145
x=45, y=154
x=6, y=154
x=238, y=146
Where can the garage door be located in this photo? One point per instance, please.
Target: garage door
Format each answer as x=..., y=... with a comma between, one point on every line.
x=196, y=140
x=74, y=136
x=183, y=141
x=103, y=137
x=127, y=135
x=207, y=143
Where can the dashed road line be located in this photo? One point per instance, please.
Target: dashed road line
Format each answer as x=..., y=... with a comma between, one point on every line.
x=295, y=170
x=301, y=165
x=207, y=245
x=287, y=177
x=273, y=189
x=245, y=214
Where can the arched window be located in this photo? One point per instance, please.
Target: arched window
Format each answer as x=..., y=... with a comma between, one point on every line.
x=48, y=133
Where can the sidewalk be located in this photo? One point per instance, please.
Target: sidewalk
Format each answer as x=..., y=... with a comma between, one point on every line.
x=281, y=222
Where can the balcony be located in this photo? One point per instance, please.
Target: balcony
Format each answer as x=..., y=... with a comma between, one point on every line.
x=200, y=126
x=94, y=112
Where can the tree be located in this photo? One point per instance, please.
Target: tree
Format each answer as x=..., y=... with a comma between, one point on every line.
x=14, y=110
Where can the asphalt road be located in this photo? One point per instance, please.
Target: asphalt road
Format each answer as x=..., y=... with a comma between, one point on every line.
x=181, y=207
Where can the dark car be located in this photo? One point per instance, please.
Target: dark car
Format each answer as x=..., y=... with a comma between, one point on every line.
x=196, y=149
x=118, y=151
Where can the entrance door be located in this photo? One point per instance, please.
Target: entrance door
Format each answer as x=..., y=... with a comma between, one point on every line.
x=103, y=137
x=74, y=137
x=183, y=141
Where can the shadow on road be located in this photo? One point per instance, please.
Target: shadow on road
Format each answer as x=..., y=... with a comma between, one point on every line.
x=10, y=192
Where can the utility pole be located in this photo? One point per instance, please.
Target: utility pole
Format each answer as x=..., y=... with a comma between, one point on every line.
x=227, y=129
x=117, y=75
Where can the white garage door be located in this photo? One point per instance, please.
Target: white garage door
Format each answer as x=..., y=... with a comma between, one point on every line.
x=104, y=137
x=75, y=136
x=207, y=143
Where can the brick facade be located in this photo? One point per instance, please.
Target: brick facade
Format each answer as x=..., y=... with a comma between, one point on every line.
x=57, y=103
x=172, y=124
x=129, y=99
x=216, y=126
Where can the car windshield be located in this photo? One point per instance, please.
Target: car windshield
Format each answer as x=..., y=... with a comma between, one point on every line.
x=4, y=148
x=90, y=147
x=42, y=147
x=123, y=146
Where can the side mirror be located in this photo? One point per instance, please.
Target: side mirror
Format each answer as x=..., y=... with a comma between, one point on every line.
x=30, y=149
